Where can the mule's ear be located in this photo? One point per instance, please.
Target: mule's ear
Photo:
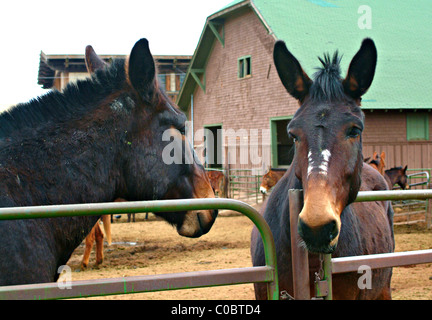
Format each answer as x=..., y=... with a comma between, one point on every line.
x=141, y=69
x=361, y=70
x=92, y=60
x=294, y=79
x=405, y=169
x=383, y=155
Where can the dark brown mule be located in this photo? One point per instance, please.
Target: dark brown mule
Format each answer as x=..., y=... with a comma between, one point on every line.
x=328, y=166
x=270, y=179
x=100, y=139
x=93, y=63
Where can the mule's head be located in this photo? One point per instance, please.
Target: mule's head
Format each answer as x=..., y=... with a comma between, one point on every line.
x=327, y=131
x=155, y=157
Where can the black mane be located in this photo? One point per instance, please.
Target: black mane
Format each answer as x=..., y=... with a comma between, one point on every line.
x=76, y=100
x=327, y=85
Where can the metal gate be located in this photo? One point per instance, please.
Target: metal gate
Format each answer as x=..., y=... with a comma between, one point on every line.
x=331, y=265
x=125, y=285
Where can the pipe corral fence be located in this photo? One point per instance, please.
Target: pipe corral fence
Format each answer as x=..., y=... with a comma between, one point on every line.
x=412, y=211
x=301, y=281
x=187, y=280
x=125, y=285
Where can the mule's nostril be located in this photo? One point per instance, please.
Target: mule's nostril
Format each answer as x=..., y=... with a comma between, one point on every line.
x=334, y=230
x=318, y=237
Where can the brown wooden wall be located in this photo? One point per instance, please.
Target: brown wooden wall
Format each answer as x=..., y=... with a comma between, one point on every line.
x=242, y=103
x=387, y=131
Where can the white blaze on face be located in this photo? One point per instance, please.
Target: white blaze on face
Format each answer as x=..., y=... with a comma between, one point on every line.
x=322, y=165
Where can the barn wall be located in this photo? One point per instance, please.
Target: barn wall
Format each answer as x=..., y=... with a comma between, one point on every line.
x=245, y=104
x=242, y=103
x=386, y=131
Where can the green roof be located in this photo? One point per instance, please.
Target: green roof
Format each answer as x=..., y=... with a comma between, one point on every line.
x=401, y=31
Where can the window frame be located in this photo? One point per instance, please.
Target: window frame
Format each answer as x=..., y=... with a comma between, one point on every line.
x=413, y=120
x=244, y=64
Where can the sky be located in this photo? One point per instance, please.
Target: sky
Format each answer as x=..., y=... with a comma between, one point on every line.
x=173, y=27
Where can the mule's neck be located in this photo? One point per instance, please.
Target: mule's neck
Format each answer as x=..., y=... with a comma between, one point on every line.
x=75, y=163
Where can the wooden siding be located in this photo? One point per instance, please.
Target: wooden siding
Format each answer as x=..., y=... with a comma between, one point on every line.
x=386, y=131
x=247, y=103
x=251, y=102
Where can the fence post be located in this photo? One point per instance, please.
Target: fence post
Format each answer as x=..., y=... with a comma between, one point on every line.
x=429, y=214
x=299, y=255
x=328, y=276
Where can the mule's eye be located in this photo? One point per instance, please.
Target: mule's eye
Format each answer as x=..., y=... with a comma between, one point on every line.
x=293, y=136
x=353, y=132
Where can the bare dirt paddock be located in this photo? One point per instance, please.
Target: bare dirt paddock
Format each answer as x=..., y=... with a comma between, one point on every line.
x=152, y=246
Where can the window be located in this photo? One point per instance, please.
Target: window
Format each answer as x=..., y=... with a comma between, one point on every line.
x=244, y=67
x=282, y=145
x=213, y=146
x=417, y=126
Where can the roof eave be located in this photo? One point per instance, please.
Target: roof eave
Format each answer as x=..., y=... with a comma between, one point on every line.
x=189, y=84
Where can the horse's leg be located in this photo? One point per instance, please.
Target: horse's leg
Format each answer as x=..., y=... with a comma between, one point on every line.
x=89, y=240
x=99, y=244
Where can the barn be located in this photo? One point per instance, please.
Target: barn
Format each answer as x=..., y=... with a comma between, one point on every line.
x=239, y=110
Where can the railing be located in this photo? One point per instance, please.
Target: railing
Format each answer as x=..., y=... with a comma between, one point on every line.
x=350, y=264
x=414, y=211
x=125, y=285
x=244, y=185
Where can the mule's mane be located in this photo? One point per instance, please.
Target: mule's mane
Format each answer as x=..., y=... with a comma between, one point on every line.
x=327, y=85
x=76, y=100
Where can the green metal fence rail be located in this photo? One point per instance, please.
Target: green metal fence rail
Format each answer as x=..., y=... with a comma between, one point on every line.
x=125, y=285
x=351, y=264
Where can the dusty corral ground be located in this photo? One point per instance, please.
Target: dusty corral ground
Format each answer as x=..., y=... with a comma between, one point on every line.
x=152, y=246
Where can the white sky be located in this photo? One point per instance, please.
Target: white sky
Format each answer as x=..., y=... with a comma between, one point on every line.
x=173, y=27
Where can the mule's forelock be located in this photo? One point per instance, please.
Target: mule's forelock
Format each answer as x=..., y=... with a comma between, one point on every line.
x=327, y=85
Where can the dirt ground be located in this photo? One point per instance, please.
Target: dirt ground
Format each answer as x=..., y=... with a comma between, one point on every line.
x=152, y=246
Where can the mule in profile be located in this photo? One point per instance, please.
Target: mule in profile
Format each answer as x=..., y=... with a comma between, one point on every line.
x=98, y=140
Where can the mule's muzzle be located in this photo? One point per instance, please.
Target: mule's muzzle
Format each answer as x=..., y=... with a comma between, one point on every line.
x=263, y=190
x=320, y=239
x=197, y=223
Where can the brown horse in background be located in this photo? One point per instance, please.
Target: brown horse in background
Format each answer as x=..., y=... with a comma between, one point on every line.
x=218, y=182
x=328, y=166
x=378, y=162
x=270, y=179
x=396, y=175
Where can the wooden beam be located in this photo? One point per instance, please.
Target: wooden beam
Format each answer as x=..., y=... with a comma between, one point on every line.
x=194, y=73
x=213, y=27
